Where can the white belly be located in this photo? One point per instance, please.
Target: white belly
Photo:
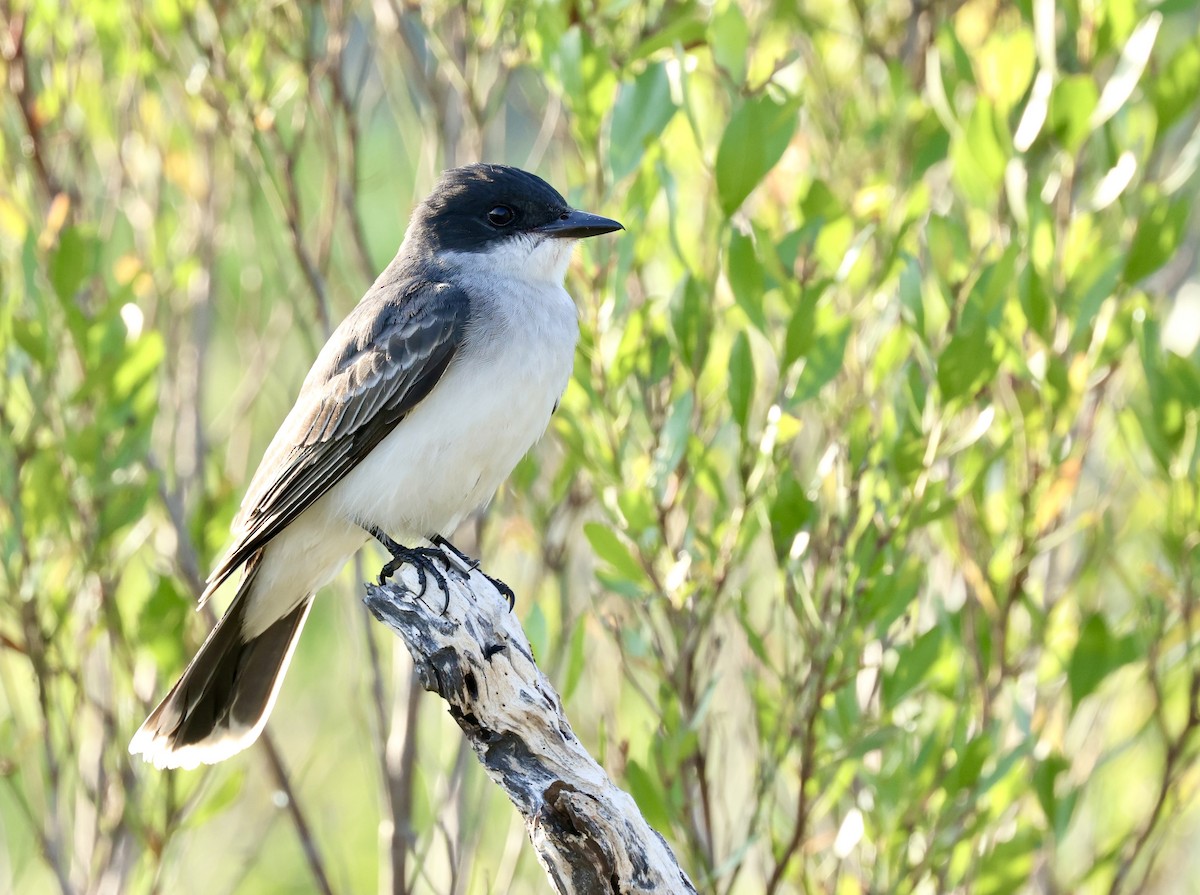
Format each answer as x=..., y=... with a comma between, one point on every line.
x=448, y=457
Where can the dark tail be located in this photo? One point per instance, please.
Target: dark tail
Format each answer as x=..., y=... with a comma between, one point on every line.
x=221, y=702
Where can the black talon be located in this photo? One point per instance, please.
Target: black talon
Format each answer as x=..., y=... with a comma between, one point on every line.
x=423, y=559
x=504, y=589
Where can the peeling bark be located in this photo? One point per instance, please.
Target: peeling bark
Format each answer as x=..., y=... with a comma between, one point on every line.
x=589, y=835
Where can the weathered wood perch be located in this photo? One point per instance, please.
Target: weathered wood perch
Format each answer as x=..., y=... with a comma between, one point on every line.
x=589, y=835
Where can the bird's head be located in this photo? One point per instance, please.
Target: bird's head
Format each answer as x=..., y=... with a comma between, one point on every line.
x=510, y=219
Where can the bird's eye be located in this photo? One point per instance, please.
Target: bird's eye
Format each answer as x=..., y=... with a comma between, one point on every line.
x=501, y=216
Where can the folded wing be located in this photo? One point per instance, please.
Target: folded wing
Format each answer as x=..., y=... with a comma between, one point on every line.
x=382, y=361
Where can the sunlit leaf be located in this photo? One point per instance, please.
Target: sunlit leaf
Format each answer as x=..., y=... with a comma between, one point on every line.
x=980, y=155
x=1157, y=236
x=965, y=364
x=730, y=36
x=753, y=142
x=610, y=548
x=1071, y=106
x=1175, y=89
x=643, y=109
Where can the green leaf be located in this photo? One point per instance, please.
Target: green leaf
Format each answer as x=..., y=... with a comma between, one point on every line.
x=1096, y=284
x=729, y=36
x=820, y=204
x=965, y=364
x=790, y=511
x=672, y=441
x=537, y=630
x=1006, y=868
x=691, y=319
x=1004, y=66
x=980, y=154
x=985, y=302
x=1071, y=106
x=684, y=31
x=121, y=507
x=1175, y=90
x=746, y=278
x=913, y=665
x=1035, y=301
x=801, y=331
x=643, y=110
x=218, y=800
x=161, y=621
x=1097, y=654
x=741, y=380
x=575, y=656
x=949, y=248
x=609, y=547
x=588, y=81
x=1044, y=776
x=912, y=298
x=887, y=597
x=1124, y=78
x=968, y=764
x=71, y=262
x=138, y=368
x=33, y=339
x=753, y=142
x=823, y=360
x=1159, y=232
x=647, y=791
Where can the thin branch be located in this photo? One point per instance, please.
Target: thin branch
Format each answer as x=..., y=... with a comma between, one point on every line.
x=315, y=865
x=13, y=50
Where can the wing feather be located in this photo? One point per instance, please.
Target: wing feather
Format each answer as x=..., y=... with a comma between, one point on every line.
x=382, y=361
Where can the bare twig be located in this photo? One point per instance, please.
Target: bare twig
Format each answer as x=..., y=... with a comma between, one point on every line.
x=315, y=865
x=22, y=90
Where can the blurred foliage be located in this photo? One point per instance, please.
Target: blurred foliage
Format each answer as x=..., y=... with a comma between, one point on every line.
x=865, y=547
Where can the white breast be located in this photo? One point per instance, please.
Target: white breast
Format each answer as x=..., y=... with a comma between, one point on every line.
x=448, y=457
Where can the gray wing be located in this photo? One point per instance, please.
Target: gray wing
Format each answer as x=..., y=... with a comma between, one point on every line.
x=379, y=364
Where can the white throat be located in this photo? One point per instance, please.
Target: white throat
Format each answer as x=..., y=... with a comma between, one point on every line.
x=534, y=259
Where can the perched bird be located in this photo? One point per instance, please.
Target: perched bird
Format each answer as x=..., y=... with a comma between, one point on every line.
x=417, y=408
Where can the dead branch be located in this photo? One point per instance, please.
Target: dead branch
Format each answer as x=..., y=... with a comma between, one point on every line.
x=589, y=834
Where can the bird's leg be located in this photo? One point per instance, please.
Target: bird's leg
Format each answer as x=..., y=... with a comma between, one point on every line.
x=472, y=565
x=420, y=558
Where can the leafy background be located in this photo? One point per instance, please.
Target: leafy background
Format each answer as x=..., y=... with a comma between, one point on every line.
x=864, y=547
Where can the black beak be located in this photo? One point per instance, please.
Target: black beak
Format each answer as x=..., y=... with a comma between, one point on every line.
x=578, y=225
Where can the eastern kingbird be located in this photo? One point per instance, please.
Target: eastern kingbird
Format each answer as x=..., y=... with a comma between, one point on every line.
x=417, y=408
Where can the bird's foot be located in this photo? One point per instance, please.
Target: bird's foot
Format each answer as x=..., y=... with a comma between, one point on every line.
x=424, y=559
x=470, y=565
